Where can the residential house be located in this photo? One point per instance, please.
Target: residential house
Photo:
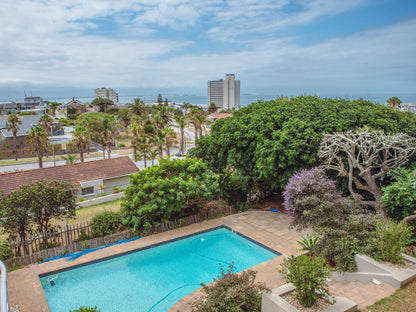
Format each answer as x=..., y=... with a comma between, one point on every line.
x=6, y=136
x=89, y=177
x=12, y=108
x=73, y=107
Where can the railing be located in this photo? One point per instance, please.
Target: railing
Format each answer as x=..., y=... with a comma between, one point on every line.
x=4, y=297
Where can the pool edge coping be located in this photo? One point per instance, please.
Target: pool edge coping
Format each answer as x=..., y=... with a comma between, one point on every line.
x=42, y=275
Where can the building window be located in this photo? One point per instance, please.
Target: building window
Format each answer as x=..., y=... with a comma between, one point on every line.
x=88, y=190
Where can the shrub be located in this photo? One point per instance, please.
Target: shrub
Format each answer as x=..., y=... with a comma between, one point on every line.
x=105, y=223
x=167, y=192
x=5, y=251
x=86, y=309
x=308, y=243
x=314, y=201
x=308, y=275
x=399, y=198
x=391, y=237
x=122, y=145
x=235, y=292
x=340, y=244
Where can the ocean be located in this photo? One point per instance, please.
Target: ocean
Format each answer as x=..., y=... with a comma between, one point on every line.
x=245, y=99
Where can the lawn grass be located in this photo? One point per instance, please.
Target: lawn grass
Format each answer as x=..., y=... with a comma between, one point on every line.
x=402, y=300
x=87, y=213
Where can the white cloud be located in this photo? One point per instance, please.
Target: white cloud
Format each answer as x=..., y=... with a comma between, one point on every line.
x=59, y=42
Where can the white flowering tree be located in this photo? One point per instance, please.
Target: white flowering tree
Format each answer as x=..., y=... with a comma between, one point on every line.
x=364, y=157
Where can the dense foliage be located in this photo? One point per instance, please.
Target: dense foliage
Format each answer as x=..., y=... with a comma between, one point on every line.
x=267, y=142
x=344, y=228
x=168, y=191
x=391, y=237
x=36, y=204
x=236, y=292
x=309, y=275
x=105, y=223
x=399, y=198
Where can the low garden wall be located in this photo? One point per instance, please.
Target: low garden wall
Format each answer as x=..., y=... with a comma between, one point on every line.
x=100, y=200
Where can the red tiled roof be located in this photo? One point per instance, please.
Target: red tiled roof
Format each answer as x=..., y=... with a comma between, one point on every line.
x=73, y=173
x=220, y=115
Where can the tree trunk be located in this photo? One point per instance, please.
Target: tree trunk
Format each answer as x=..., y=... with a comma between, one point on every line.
x=15, y=147
x=182, y=142
x=109, y=151
x=409, y=218
x=40, y=161
x=160, y=151
x=81, y=154
x=135, y=152
x=145, y=161
x=103, y=151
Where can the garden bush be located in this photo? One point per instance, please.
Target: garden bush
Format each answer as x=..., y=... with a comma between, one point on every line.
x=343, y=226
x=308, y=274
x=167, y=192
x=391, y=237
x=5, y=251
x=105, y=223
x=236, y=292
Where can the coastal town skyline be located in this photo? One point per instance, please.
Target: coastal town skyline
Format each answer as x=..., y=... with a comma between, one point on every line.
x=325, y=47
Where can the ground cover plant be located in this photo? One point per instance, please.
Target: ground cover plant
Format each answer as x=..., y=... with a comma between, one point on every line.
x=236, y=292
x=167, y=192
x=403, y=300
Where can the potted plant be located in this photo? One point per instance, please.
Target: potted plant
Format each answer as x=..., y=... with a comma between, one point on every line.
x=116, y=189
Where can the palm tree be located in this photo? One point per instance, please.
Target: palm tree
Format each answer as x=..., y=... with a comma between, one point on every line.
x=162, y=117
x=70, y=159
x=144, y=144
x=81, y=140
x=136, y=130
x=138, y=107
x=111, y=129
x=153, y=155
x=38, y=138
x=186, y=106
x=46, y=122
x=394, y=102
x=182, y=121
x=12, y=125
x=196, y=118
x=170, y=139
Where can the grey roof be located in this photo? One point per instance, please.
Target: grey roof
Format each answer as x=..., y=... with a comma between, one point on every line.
x=27, y=123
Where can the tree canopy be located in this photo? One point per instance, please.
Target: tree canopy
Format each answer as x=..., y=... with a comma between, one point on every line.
x=267, y=142
x=167, y=192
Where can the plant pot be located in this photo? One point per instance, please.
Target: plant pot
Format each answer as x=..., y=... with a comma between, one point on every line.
x=273, y=302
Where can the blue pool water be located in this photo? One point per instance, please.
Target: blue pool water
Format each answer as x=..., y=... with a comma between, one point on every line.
x=153, y=279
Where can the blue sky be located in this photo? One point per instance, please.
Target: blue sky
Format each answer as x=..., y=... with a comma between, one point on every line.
x=70, y=47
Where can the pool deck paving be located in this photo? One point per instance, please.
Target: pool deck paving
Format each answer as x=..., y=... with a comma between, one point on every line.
x=267, y=228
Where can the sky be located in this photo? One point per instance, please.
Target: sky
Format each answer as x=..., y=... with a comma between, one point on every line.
x=70, y=47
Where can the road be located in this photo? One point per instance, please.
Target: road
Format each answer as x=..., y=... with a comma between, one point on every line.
x=19, y=167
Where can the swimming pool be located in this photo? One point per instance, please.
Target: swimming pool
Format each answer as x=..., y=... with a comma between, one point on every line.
x=152, y=279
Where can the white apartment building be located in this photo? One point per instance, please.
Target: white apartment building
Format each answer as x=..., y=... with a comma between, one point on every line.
x=224, y=93
x=107, y=93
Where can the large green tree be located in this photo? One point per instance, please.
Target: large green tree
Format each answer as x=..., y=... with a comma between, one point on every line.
x=167, y=192
x=266, y=142
x=13, y=124
x=33, y=206
x=102, y=104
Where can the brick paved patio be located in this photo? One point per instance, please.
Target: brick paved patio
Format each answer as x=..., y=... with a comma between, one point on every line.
x=270, y=229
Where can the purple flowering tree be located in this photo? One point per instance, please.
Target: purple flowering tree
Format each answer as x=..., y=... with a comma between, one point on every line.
x=314, y=201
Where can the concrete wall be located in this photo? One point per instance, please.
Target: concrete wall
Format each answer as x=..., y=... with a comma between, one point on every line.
x=100, y=200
